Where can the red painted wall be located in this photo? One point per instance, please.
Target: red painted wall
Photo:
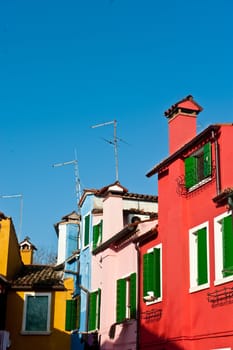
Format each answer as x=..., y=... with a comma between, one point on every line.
x=188, y=321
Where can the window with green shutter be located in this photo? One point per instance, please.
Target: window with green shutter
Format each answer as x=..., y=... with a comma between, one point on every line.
x=198, y=257
x=97, y=234
x=227, y=236
x=152, y=273
x=71, y=315
x=198, y=166
x=86, y=230
x=126, y=298
x=94, y=310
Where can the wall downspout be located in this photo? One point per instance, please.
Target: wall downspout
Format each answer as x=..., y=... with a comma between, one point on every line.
x=138, y=296
x=216, y=149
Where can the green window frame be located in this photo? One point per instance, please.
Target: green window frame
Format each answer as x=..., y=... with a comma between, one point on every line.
x=86, y=230
x=152, y=273
x=36, y=315
x=227, y=237
x=198, y=166
x=72, y=314
x=126, y=306
x=97, y=234
x=94, y=310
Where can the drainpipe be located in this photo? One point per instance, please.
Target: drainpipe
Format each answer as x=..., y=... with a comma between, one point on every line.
x=216, y=149
x=138, y=296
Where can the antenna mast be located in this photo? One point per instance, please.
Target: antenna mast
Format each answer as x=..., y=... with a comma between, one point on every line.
x=20, y=210
x=114, y=142
x=76, y=174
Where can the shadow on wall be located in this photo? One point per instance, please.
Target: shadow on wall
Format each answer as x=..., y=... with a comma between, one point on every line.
x=147, y=341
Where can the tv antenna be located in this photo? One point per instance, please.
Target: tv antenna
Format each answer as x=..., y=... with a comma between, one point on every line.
x=114, y=142
x=76, y=174
x=20, y=209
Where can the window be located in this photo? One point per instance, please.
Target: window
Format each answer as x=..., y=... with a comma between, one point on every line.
x=152, y=274
x=198, y=166
x=94, y=310
x=86, y=230
x=97, y=234
x=72, y=314
x=126, y=298
x=199, y=257
x=36, y=316
x=223, y=241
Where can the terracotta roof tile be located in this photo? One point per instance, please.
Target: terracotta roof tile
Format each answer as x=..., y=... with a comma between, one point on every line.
x=38, y=277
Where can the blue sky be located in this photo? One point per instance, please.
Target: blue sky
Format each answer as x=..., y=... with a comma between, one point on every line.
x=68, y=65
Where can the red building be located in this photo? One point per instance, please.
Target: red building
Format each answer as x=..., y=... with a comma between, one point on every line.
x=187, y=271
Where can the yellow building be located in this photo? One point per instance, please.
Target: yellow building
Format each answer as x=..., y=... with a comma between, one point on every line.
x=40, y=311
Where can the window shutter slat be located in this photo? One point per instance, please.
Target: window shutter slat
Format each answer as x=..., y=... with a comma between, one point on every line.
x=227, y=246
x=202, y=267
x=98, y=308
x=133, y=296
x=148, y=273
x=95, y=235
x=190, y=171
x=207, y=159
x=121, y=300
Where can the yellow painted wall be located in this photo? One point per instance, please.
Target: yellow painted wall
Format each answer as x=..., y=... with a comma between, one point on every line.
x=59, y=339
x=10, y=259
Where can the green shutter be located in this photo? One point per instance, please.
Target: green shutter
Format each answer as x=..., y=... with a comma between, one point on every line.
x=207, y=159
x=71, y=315
x=87, y=228
x=202, y=269
x=121, y=300
x=95, y=235
x=148, y=273
x=190, y=172
x=92, y=325
x=133, y=296
x=157, y=279
x=98, y=308
x=227, y=246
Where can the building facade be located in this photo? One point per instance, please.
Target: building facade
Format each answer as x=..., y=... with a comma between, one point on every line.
x=189, y=303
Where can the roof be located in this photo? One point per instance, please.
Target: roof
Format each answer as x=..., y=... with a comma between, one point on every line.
x=186, y=103
x=187, y=146
x=34, y=277
x=28, y=243
x=73, y=217
x=116, y=187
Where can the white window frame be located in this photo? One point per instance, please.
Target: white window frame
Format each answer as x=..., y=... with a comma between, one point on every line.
x=157, y=300
x=193, y=273
x=218, y=250
x=47, y=331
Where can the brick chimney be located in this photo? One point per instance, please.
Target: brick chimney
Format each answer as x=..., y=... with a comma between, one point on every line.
x=182, y=122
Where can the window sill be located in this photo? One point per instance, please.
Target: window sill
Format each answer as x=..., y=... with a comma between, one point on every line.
x=199, y=184
x=223, y=280
x=198, y=288
x=35, y=332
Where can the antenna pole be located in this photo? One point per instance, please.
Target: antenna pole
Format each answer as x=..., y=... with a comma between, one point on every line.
x=115, y=143
x=76, y=174
x=20, y=211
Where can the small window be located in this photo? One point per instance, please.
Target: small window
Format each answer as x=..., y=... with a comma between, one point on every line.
x=94, y=310
x=126, y=298
x=199, y=257
x=223, y=234
x=86, y=230
x=152, y=275
x=97, y=234
x=198, y=166
x=36, y=316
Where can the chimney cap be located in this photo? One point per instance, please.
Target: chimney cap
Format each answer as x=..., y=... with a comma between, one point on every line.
x=187, y=104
